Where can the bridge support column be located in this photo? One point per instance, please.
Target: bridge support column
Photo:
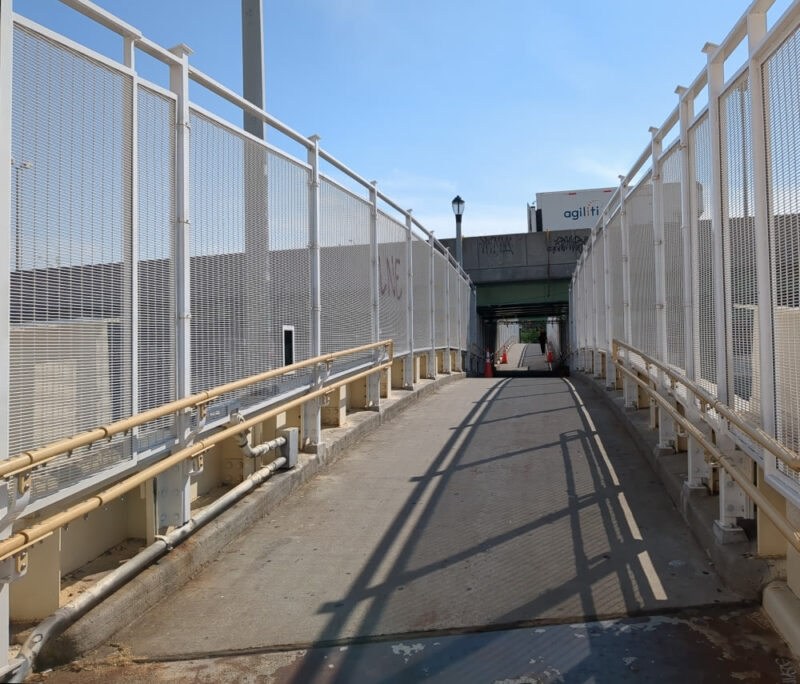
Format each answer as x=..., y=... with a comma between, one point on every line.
x=770, y=541
x=386, y=383
x=334, y=412
x=630, y=390
x=360, y=394
x=399, y=373
x=696, y=466
x=598, y=365
x=733, y=502
x=447, y=366
x=373, y=398
x=666, y=431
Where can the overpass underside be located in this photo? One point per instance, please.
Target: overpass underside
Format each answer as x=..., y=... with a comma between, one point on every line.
x=523, y=299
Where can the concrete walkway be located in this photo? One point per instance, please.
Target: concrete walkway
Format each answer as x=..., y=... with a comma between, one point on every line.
x=523, y=358
x=492, y=504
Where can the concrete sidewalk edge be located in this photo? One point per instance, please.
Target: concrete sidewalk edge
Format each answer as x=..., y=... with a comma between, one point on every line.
x=735, y=563
x=173, y=570
x=783, y=609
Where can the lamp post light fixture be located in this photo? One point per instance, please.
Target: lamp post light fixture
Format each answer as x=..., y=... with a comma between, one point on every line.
x=458, y=210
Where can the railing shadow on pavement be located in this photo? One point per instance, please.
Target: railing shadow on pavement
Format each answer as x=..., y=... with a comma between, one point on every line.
x=621, y=563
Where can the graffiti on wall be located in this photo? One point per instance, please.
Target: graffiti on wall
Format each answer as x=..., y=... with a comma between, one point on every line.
x=566, y=243
x=391, y=277
x=495, y=244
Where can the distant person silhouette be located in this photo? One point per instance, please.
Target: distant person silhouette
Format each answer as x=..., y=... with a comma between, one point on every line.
x=542, y=340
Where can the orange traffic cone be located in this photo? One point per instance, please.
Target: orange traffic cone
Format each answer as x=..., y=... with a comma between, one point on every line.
x=487, y=369
x=504, y=358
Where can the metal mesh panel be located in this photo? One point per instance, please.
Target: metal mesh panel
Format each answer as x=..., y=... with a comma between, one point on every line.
x=156, y=274
x=454, y=306
x=345, y=257
x=673, y=257
x=586, y=293
x=642, y=268
x=236, y=329
x=614, y=237
x=782, y=98
x=739, y=248
x=600, y=291
x=289, y=259
x=465, y=313
x=70, y=283
x=580, y=315
x=440, y=298
x=393, y=269
x=703, y=256
x=421, y=258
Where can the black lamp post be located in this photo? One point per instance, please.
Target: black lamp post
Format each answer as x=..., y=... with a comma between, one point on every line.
x=458, y=210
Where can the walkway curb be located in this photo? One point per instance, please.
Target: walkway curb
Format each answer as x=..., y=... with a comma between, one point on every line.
x=173, y=570
x=734, y=563
x=783, y=608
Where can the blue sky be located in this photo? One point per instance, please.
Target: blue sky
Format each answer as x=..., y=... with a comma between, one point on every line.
x=494, y=100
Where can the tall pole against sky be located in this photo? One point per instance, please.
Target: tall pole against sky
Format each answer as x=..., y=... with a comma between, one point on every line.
x=253, y=63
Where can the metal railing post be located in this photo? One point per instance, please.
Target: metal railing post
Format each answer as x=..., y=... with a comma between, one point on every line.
x=769, y=543
x=595, y=300
x=628, y=387
x=132, y=263
x=6, y=58
x=666, y=427
x=658, y=246
x=686, y=114
x=311, y=434
x=431, y=289
x=173, y=495
x=756, y=29
x=374, y=381
x=715, y=82
x=408, y=367
x=446, y=365
x=459, y=343
x=609, y=299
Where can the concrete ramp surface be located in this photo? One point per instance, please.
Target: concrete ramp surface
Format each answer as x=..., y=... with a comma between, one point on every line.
x=493, y=504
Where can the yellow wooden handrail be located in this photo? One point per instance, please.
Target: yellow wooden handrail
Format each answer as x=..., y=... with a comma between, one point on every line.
x=24, y=538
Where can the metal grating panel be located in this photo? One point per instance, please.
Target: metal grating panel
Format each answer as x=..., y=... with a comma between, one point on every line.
x=440, y=300
x=156, y=268
x=673, y=257
x=455, y=334
x=70, y=282
x=739, y=248
x=393, y=285
x=236, y=328
x=289, y=259
x=345, y=258
x=465, y=313
x=614, y=237
x=703, y=256
x=600, y=292
x=782, y=105
x=421, y=258
x=642, y=268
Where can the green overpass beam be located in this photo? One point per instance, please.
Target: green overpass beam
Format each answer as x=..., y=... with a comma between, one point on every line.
x=523, y=292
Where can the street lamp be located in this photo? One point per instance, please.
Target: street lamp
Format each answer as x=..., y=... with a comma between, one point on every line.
x=19, y=167
x=458, y=210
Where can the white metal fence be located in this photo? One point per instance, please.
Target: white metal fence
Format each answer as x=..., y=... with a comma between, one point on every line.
x=157, y=249
x=696, y=259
